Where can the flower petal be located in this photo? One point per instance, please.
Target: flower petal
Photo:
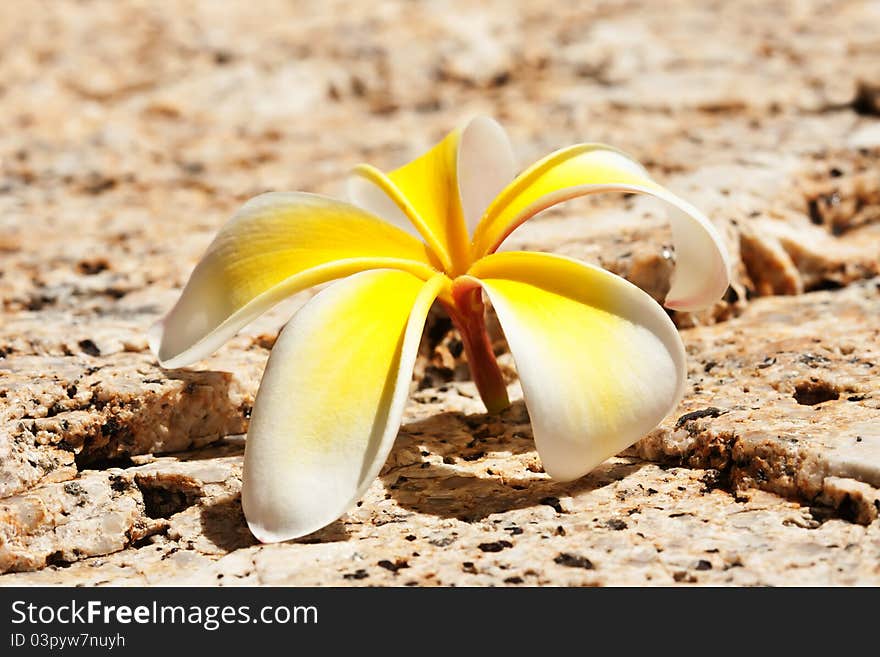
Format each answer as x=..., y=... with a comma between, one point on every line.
x=485, y=167
x=436, y=192
x=426, y=191
x=331, y=400
x=276, y=245
x=365, y=189
x=599, y=361
x=701, y=273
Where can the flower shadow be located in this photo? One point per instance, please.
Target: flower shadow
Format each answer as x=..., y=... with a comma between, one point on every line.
x=449, y=465
x=470, y=467
x=223, y=523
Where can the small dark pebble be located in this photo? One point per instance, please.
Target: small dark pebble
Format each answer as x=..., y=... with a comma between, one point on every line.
x=702, y=564
x=495, y=546
x=616, y=524
x=358, y=574
x=814, y=360
x=222, y=57
x=696, y=415
x=98, y=184
x=573, y=561
x=92, y=267
x=513, y=580
x=393, y=566
x=89, y=347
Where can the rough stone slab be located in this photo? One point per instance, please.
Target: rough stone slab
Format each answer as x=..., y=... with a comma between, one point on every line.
x=785, y=398
x=63, y=522
x=164, y=118
x=459, y=477
x=61, y=411
x=496, y=519
x=102, y=512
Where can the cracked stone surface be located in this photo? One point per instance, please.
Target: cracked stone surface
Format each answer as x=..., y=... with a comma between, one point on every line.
x=137, y=129
x=784, y=398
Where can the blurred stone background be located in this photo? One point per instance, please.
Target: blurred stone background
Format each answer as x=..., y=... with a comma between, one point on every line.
x=130, y=131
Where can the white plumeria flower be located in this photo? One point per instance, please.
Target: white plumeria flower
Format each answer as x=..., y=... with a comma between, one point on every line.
x=600, y=362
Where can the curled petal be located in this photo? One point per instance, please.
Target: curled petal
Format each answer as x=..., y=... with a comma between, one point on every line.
x=485, y=167
x=276, y=245
x=442, y=193
x=331, y=400
x=368, y=188
x=600, y=362
x=701, y=273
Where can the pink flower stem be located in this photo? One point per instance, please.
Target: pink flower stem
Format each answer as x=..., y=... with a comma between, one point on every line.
x=468, y=314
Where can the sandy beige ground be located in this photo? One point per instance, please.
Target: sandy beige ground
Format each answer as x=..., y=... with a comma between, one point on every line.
x=133, y=130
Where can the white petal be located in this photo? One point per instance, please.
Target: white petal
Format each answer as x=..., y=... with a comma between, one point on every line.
x=364, y=193
x=331, y=400
x=702, y=262
x=277, y=244
x=600, y=362
x=485, y=166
